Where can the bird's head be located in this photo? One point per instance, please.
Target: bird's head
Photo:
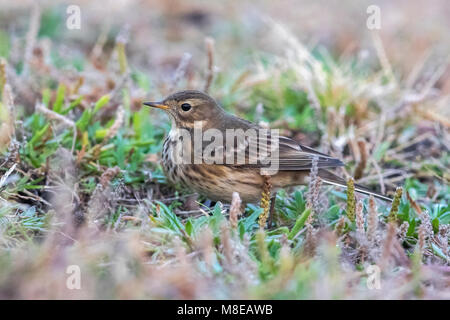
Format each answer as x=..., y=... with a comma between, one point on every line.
x=187, y=107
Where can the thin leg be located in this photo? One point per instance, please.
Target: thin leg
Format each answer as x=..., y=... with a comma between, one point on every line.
x=243, y=206
x=272, y=209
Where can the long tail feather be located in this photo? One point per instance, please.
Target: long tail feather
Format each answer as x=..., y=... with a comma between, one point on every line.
x=331, y=178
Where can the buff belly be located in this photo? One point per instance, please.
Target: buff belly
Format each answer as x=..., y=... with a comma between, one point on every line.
x=218, y=182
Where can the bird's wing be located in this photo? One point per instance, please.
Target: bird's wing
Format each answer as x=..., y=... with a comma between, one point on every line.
x=265, y=149
x=294, y=156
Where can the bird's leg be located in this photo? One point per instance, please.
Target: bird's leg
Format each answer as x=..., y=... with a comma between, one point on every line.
x=265, y=201
x=243, y=206
x=272, y=209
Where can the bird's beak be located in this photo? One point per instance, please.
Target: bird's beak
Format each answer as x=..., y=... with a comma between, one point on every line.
x=159, y=105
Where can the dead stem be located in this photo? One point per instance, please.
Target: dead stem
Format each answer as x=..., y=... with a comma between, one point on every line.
x=210, y=70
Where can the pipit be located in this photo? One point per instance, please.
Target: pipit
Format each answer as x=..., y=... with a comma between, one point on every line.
x=239, y=160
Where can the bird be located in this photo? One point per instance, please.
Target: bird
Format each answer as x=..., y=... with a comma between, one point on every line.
x=191, y=109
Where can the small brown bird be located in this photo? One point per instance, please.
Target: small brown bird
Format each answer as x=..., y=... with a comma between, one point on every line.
x=219, y=180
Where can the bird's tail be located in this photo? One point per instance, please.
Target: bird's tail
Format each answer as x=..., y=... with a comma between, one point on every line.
x=331, y=178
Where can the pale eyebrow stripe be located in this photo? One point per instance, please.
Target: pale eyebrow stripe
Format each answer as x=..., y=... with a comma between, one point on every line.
x=193, y=101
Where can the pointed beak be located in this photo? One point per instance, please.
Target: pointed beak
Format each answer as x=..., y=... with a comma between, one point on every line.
x=159, y=105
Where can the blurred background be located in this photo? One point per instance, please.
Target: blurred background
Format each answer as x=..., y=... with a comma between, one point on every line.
x=161, y=31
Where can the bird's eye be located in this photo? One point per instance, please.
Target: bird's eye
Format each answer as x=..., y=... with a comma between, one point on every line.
x=185, y=107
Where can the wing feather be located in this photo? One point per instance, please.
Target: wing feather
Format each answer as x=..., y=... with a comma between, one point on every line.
x=267, y=149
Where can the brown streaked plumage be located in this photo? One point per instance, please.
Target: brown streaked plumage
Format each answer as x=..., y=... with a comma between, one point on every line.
x=219, y=181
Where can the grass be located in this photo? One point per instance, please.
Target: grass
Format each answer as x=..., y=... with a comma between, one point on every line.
x=81, y=184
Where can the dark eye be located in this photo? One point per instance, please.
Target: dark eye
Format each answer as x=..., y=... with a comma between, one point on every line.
x=185, y=107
